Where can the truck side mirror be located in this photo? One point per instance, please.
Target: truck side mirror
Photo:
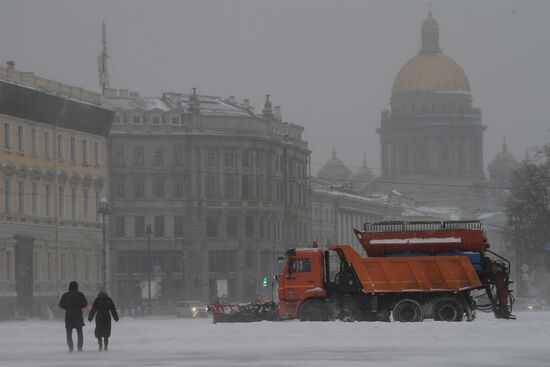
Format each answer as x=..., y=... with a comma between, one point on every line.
x=275, y=277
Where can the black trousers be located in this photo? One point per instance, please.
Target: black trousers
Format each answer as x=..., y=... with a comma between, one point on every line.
x=70, y=337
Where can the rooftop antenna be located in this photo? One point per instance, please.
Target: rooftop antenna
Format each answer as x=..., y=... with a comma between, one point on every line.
x=102, y=62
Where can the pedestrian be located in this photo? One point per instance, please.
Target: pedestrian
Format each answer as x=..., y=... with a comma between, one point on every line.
x=102, y=309
x=73, y=302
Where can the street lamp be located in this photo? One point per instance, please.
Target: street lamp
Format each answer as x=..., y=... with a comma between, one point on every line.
x=516, y=222
x=103, y=209
x=149, y=232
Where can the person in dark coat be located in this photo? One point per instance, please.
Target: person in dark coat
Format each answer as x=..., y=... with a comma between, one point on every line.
x=73, y=302
x=102, y=309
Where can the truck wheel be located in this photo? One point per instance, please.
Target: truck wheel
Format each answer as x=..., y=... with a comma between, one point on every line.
x=448, y=309
x=407, y=310
x=314, y=310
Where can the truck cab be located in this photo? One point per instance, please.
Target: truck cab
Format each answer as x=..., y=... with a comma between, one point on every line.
x=302, y=278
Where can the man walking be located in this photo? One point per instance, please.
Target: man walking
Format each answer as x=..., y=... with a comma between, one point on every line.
x=73, y=302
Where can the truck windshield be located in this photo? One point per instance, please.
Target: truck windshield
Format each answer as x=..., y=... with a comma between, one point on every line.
x=299, y=265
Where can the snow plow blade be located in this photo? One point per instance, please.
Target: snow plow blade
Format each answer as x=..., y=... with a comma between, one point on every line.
x=243, y=312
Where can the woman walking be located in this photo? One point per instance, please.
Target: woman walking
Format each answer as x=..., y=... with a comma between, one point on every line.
x=102, y=309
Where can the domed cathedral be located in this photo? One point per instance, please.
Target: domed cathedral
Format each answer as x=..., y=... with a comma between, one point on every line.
x=432, y=136
x=500, y=173
x=334, y=171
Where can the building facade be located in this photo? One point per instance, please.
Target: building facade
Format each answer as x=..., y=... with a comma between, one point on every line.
x=223, y=189
x=54, y=172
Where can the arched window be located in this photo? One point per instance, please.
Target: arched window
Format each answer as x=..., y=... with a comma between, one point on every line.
x=245, y=187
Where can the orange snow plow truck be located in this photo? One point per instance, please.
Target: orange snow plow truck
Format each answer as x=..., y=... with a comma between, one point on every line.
x=413, y=271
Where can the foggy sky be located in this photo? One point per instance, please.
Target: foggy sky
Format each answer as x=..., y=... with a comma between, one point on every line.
x=329, y=64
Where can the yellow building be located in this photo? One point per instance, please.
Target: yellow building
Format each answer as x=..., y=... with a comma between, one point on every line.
x=53, y=176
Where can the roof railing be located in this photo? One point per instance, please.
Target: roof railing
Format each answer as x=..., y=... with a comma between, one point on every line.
x=398, y=226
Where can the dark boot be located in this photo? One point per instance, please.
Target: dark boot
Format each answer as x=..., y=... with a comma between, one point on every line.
x=106, y=343
x=100, y=344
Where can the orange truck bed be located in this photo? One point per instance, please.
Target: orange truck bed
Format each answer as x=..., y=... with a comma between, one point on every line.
x=410, y=274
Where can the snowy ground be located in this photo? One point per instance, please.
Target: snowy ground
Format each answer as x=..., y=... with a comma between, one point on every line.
x=182, y=342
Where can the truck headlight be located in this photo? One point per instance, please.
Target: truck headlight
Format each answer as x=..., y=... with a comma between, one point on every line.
x=194, y=309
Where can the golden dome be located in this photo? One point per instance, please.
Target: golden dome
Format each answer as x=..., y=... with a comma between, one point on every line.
x=430, y=73
x=430, y=70
x=505, y=155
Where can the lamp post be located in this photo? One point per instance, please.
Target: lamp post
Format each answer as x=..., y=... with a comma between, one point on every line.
x=516, y=222
x=149, y=232
x=103, y=209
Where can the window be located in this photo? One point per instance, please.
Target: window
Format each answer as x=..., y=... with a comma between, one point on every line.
x=210, y=158
x=47, y=145
x=33, y=141
x=228, y=159
x=20, y=197
x=249, y=227
x=119, y=157
x=35, y=267
x=178, y=226
x=158, y=187
x=62, y=266
x=159, y=226
x=245, y=188
x=245, y=158
x=86, y=267
x=7, y=196
x=178, y=185
x=117, y=118
x=156, y=119
x=158, y=159
x=85, y=205
x=50, y=266
x=120, y=224
x=138, y=156
x=61, y=201
x=74, y=215
x=136, y=119
x=178, y=157
x=259, y=190
x=210, y=185
x=299, y=265
x=96, y=197
x=34, y=199
x=139, y=226
x=9, y=265
x=60, y=148
x=20, y=139
x=75, y=267
x=232, y=225
x=7, y=136
x=119, y=186
x=261, y=227
x=222, y=260
x=175, y=120
x=47, y=200
x=73, y=148
x=139, y=186
x=96, y=153
x=229, y=187
x=211, y=226
x=85, y=151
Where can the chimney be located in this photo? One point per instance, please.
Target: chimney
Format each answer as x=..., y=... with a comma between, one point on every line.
x=123, y=93
x=246, y=103
x=277, y=113
x=11, y=65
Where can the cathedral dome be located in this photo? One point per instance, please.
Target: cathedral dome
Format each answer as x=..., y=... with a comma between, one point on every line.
x=430, y=70
x=334, y=169
x=504, y=154
x=430, y=73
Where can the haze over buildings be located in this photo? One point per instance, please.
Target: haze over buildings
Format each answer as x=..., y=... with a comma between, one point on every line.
x=330, y=64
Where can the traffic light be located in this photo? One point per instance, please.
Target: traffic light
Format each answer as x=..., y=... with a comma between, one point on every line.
x=264, y=282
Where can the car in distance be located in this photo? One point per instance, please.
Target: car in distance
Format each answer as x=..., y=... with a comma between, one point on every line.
x=191, y=309
x=529, y=304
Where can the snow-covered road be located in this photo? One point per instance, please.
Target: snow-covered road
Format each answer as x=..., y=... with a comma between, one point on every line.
x=182, y=342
